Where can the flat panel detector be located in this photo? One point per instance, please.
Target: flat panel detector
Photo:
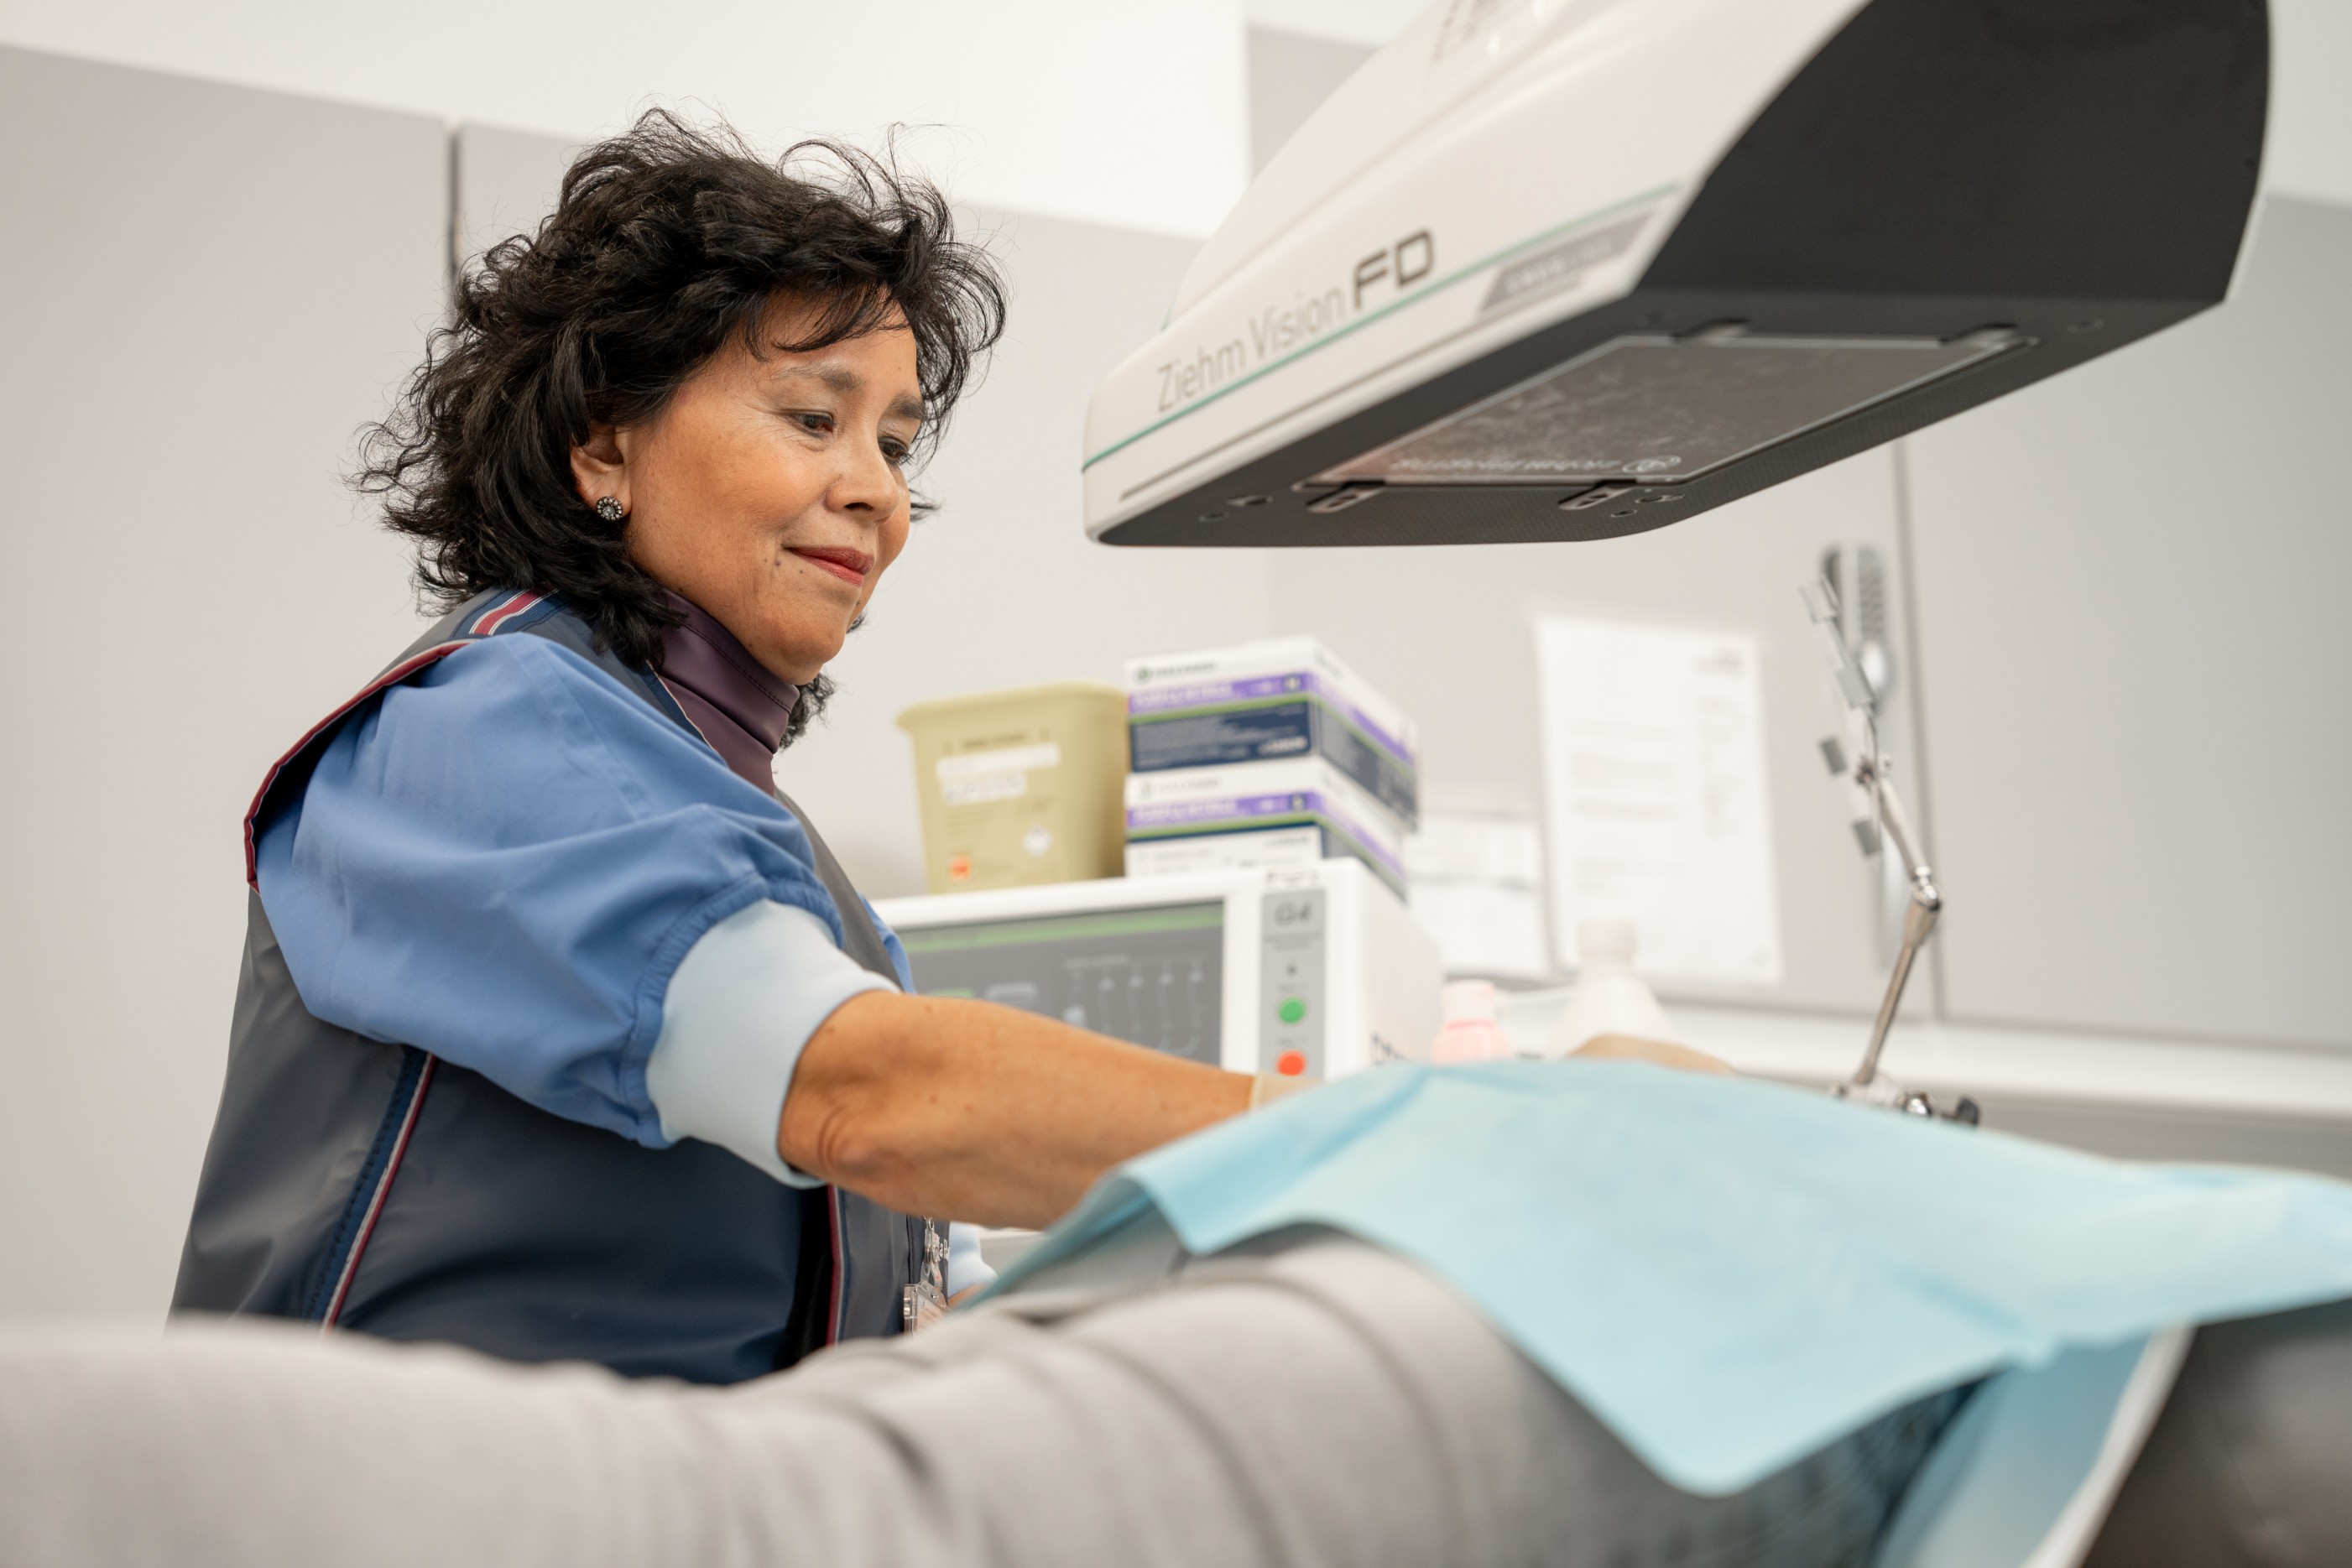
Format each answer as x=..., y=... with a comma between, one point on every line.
x=1650, y=408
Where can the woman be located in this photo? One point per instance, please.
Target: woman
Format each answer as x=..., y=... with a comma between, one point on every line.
x=560, y=1033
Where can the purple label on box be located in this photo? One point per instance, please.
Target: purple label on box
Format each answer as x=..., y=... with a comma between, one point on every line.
x=1162, y=815
x=1216, y=807
x=1255, y=688
x=1200, y=694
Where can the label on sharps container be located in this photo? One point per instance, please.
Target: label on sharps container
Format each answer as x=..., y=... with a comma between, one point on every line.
x=1264, y=732
x=976, y=777
x=1001, y=759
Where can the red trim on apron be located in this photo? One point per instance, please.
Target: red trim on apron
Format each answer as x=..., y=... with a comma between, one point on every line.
x=484, y=624
x=382, y=1191
x=490, y=620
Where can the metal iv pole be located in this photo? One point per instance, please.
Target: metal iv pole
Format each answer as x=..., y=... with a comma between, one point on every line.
x=1884, y=826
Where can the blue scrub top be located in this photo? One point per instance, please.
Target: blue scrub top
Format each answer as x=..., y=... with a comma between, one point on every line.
x=503, y=861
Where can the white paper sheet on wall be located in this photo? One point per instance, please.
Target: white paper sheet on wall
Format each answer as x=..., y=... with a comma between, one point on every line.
x=1655, y=795
x=1476, y=884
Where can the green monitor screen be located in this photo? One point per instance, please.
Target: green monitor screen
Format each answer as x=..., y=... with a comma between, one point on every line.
x=1154, y=977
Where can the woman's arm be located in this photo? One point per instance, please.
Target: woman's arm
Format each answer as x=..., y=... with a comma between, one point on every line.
x=965, y=1109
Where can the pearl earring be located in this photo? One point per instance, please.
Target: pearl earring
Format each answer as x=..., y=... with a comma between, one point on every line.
x=610, y=509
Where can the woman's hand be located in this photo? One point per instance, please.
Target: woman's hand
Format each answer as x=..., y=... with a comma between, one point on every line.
x=965, y=1109
x=1630, y=1048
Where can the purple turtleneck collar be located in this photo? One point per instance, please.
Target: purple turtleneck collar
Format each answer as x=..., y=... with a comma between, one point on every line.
x=741, y=709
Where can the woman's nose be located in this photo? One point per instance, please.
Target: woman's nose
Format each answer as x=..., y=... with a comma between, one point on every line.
x=868, y=483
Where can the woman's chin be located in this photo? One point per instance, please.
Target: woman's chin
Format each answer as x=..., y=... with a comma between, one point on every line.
x=802, y=658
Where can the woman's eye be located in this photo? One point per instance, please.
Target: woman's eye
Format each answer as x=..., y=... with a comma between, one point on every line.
x=814, y=423
x=895, y=453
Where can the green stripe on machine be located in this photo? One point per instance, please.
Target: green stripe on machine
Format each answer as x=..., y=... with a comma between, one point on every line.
x=1061, y=928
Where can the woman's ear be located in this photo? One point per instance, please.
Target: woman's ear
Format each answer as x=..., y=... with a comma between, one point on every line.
x=600, y=467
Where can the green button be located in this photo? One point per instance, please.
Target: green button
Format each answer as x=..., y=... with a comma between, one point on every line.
x=1291, y=1011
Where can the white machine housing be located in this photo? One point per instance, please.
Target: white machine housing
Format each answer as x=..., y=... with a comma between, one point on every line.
x=1559, y=270
x=1311, y=971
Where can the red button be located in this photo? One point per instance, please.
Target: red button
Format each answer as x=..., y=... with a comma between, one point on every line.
x=1290, y=1063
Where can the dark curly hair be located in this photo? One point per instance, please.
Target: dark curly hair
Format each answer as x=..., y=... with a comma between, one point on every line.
x=665, y=240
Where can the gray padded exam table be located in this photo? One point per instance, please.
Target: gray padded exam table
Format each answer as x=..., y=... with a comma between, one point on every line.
x=1304, y=1399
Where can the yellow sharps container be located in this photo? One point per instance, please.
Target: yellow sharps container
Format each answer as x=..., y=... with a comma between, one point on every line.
x=1021, y=786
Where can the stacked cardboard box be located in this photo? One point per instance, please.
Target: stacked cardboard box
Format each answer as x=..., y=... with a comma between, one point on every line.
x=1270, y=752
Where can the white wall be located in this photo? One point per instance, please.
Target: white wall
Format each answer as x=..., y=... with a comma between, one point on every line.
x=191, y=586
x=1040, y=122
x=1290, y=74
x=2310, y=148
x=1369, y=23
x=1127, y=113
x=2130, y=586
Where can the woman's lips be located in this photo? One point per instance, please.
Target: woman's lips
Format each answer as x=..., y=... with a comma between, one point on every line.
x=849, y=565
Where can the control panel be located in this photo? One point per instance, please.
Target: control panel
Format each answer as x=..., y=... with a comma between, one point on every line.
x=1306, y=972
x=1292, y=999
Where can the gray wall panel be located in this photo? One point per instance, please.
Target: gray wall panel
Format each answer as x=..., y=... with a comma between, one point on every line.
x=1290, y=74
x=2132, y=584
x=507, y=181
x=2137, y=1133
x=1448, y=633
x=205, y=290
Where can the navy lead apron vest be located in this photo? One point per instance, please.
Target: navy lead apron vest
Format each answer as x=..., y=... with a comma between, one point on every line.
x=371, y=1187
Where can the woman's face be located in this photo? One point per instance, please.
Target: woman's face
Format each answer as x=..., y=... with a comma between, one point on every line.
x=771, y=489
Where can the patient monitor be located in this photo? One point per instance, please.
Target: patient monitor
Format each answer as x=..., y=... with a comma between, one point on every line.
x=1309, y=971
x=1568, y=270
